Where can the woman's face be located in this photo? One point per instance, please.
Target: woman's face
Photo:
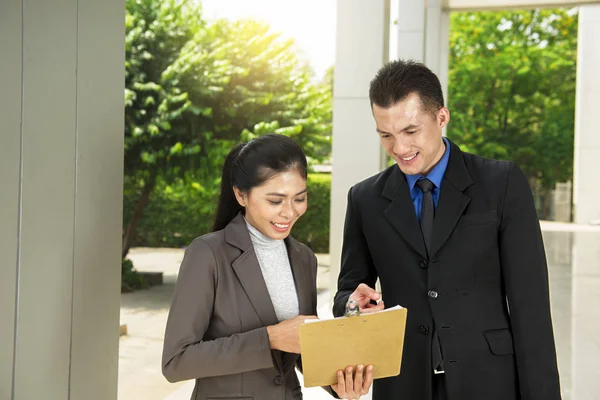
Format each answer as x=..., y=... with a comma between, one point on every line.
x=274, y=207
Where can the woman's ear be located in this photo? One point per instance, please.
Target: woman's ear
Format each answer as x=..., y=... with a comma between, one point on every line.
x=240, y=196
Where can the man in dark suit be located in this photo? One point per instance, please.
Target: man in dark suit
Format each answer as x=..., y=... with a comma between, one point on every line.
x=455, y=239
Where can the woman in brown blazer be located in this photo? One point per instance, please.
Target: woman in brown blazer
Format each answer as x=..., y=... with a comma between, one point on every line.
x=244, y=289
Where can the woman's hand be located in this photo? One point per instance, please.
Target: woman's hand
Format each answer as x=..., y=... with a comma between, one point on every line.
x=285, y=335
x=352, y=385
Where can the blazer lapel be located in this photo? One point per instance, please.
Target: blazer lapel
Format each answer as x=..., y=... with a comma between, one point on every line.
x=452, y=201
x=247, y=270
x=401, y=211
x=304, y=289
x=302, y=277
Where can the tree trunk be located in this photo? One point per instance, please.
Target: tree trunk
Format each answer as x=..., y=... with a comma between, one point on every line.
x=137, y=216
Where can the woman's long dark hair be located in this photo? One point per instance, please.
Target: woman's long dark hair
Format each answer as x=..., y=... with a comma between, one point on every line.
x=250, y=165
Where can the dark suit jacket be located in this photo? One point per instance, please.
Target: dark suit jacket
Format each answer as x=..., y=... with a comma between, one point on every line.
x=484, y=288
x=216, y=331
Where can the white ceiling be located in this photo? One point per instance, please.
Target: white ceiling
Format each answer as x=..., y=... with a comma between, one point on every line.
x=462, y=5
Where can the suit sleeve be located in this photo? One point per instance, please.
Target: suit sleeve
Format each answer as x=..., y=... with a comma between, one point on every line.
x=526, y=280
x=185, y=354
x=357, y=264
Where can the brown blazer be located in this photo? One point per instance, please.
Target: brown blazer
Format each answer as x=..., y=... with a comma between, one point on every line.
x=216, y=331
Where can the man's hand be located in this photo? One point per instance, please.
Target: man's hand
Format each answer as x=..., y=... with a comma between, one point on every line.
x=285, y=335
x=363, y=295
x=353, y=385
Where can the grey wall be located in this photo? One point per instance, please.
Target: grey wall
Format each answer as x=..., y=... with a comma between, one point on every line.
x=61, y=173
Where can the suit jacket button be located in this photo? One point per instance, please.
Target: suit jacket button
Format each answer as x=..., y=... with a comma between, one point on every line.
x=423, y=264
x=424, y=329
x=278, y=380
x=432, y=294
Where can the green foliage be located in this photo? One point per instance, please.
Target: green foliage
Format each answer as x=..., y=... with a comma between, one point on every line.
x=155, y=101
x=270, y=91
x=189, y=83
x=512, y=88
x=177, y=213
x=130, y=279
x=192, y=90
x=313, y=228
x=185, y=209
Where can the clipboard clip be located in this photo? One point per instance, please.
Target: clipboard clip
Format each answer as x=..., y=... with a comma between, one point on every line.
x=352, y=308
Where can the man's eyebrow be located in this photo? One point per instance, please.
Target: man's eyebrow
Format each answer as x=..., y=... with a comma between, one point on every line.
x=409, y=127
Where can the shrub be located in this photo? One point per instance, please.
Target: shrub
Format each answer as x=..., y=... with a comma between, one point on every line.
x=180, y=212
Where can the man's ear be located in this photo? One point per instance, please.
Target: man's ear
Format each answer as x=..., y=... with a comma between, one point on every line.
x=240, y=196
x=443, y=117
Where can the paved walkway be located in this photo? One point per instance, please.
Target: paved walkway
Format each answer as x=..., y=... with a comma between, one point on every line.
x=145, y=313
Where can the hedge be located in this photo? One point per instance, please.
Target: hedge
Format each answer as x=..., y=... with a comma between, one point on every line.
x=312, y=229
x=176, y=214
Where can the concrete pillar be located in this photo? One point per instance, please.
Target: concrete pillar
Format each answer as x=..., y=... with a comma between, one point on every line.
x=584, y=381
x=408, y=35
x=561, y=261
x=587, y=141
x=61, y=157
x=437, y=42
x=420, y=33
x=362, y=43
x=10, y=143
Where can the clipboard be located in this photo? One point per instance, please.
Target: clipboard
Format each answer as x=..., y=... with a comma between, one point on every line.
x=369, y=339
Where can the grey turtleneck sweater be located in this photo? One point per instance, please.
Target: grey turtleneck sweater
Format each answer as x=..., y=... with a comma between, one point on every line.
x=276, y=269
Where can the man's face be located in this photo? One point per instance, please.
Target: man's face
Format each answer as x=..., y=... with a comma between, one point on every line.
x=411, y=135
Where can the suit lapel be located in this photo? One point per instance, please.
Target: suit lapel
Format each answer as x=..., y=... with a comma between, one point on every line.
x=401, y=211
x=247, y=270
x=452, y=201
x=302, y=277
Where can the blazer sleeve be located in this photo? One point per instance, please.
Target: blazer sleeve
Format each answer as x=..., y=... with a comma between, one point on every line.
x=525, y=276
x=186, y=355
x=357, y=264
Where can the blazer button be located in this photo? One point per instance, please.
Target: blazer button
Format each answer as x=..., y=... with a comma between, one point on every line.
x=278, y=380
x=423, y=264
x=424, y=329
x=432, y=294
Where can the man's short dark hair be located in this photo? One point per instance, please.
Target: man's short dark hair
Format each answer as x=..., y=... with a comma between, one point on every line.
x=396, y=80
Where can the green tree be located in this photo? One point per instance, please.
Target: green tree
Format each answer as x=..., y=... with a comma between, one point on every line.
x=155, y=100
x=269, y=90
x=512, y=88
x=193, y=89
